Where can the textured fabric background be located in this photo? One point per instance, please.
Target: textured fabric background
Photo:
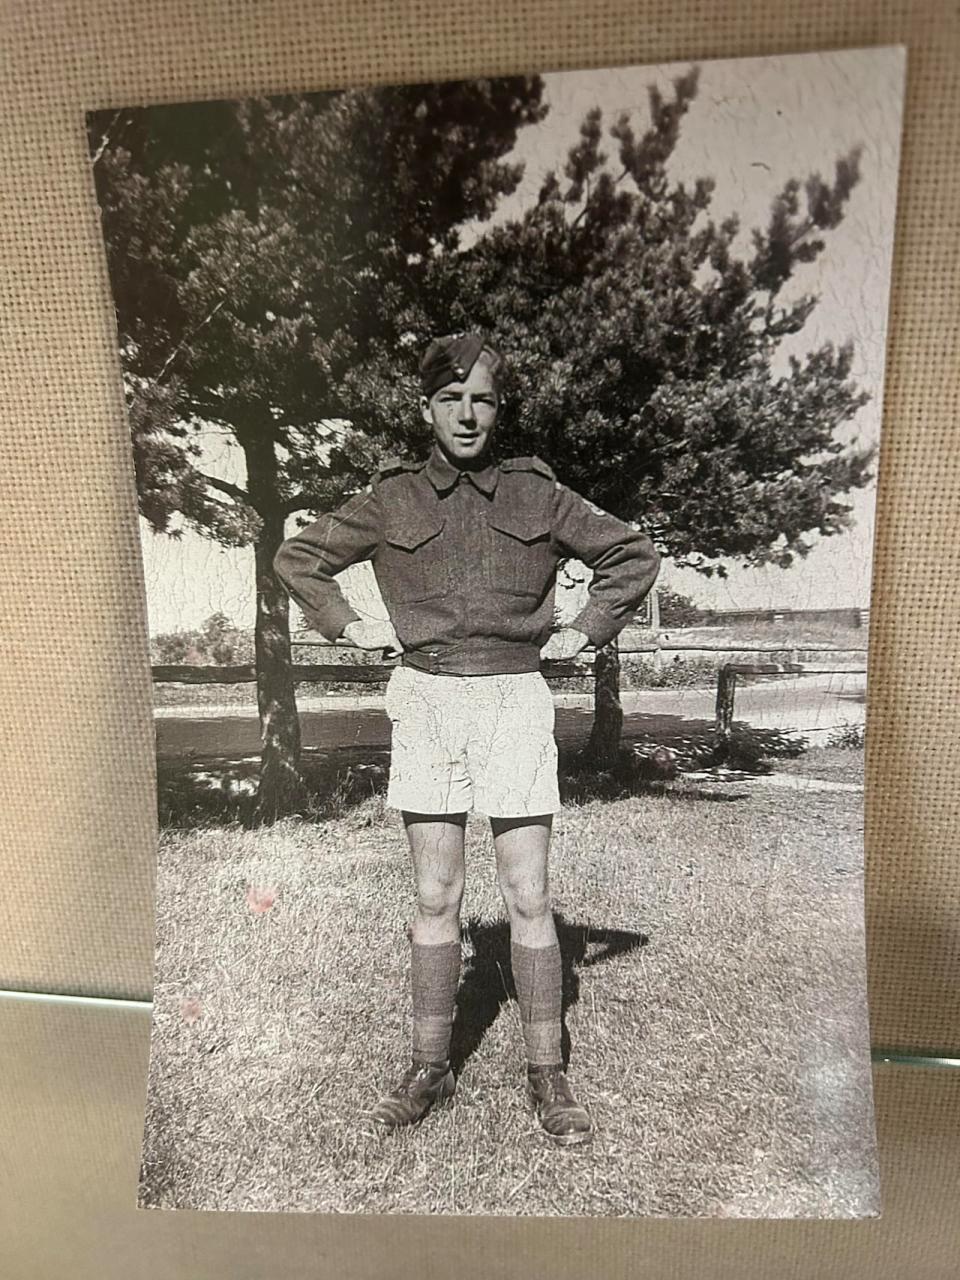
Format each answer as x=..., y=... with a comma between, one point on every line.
x=76, y=772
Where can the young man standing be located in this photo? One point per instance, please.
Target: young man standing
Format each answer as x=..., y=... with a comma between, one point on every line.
x=465, y=549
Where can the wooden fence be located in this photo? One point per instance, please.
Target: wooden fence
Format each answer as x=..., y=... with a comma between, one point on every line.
x=851, y=617
x=377, y=673
x=727, y=683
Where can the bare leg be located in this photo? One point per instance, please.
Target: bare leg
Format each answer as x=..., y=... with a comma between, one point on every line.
x=522, y=846
x=436, y=847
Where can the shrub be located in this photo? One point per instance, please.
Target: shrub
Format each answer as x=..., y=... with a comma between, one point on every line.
x=681, y=673
x=217, y=643
x=848, y=737
x=678, y=610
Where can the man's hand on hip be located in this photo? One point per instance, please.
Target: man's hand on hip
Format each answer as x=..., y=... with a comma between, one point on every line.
x=373, y=636
x=564, y=644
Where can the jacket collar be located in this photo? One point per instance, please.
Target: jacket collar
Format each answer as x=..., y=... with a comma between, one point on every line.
x=443, y=475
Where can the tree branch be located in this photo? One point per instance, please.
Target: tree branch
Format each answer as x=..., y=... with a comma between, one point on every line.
x=224, y=486
x=299, y=502
x=586, y=204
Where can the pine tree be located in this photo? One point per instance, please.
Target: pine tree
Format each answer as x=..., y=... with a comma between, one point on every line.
x=263, y=254
x=642, y=353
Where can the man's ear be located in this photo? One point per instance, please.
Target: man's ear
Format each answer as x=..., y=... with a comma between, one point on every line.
x=425, y=411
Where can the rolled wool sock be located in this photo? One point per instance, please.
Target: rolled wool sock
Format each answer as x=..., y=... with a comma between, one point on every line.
x=434, y=978
x=537, y=975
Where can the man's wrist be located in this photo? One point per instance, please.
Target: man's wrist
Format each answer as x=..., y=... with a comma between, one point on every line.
x=599, y=626
x=331, y=619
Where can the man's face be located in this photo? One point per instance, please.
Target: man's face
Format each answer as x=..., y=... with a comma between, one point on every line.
x=464, y=414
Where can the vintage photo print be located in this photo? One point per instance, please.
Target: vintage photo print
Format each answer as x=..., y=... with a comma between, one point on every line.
x=506, y=453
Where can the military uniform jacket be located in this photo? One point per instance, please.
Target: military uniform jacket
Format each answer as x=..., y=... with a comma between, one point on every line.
x=466, y=562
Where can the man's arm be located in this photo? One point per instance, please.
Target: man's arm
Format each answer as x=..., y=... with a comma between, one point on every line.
x=625, y=564
x=307, y=561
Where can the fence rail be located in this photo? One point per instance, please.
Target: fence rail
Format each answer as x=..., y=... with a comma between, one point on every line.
x=727, y=684
x=321, y=673
x=375, y=673
x=676, y=648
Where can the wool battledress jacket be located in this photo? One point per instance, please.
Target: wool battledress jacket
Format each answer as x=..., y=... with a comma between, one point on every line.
x=466, y=562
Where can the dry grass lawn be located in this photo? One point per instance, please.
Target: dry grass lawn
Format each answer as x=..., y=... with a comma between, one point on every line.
x=714, y=992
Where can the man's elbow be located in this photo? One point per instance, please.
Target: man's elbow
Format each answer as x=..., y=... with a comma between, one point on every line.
x=284, y=562
x=650, y=562
x=646, y=570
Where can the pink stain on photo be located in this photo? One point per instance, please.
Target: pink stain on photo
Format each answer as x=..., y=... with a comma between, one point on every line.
x=260, y=900
x=190, y=1010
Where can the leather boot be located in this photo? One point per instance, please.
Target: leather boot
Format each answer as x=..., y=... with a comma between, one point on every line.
x=420, y=1086
x=561, y=1116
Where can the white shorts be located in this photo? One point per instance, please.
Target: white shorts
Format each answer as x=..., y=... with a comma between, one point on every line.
x=481, y=743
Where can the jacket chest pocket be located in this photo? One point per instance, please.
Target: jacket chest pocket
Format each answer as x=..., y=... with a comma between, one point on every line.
x=520, y=557
x=412, y=564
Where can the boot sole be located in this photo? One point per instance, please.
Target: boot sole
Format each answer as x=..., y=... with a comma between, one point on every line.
x=570, y=1139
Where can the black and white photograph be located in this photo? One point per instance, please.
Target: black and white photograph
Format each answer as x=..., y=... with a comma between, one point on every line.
x=506, y=455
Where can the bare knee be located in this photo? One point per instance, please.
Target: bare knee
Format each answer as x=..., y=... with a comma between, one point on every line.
x=439, y=897
x=526, y=902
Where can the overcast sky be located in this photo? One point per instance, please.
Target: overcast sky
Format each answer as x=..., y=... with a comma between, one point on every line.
x=755, y=123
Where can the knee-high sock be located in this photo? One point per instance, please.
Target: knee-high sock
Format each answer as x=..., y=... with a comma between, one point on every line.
x=434, y=977
x=537, y=976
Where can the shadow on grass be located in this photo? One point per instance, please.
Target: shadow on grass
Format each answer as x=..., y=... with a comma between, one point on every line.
x=648, y=763
x=201, y=791
x=487, y=983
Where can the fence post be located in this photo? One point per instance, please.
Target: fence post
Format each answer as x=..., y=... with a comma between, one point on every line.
x=726, y=688
x=654, y=599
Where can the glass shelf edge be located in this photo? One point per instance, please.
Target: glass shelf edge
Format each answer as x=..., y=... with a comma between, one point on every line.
x=879, y=1055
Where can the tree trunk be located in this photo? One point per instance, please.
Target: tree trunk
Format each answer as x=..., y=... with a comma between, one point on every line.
x=603, y=748
x=726, y=692
x=281, y=783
